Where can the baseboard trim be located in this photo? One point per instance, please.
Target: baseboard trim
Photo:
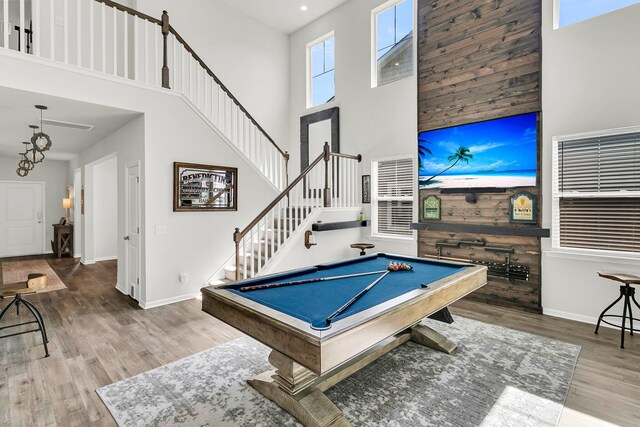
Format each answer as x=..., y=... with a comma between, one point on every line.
x=106, y=258
x=158, y=303
x=87, y=261
x=592, y=320
x=121, y=290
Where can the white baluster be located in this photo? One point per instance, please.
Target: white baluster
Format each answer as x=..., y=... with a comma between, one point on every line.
x=37, y=26
x=125, y=49
x=5, y=24
x=66, y=31
x=52, y=29
x=259, y=248
x=215, y=101
x=157, y=61
x=78, y=32
x=104, y=36
x=136, y=51
x=145, y=25
x=115, y=40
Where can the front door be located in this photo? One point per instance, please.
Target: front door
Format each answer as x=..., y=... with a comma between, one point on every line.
x=21, y=218
x=132, y=237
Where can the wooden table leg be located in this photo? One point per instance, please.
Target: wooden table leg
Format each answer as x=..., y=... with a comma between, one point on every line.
x=289, y=386
x=427, y=337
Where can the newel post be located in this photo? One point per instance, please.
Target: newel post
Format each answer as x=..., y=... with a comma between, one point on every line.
x=165, y=58
x=236, y=239
x=327, y=190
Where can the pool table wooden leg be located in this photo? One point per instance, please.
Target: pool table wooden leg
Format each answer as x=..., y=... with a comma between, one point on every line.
x=427, y=337
x=289, y=386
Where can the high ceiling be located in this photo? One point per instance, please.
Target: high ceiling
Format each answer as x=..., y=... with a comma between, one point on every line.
x=17, y=112
x=285, y=15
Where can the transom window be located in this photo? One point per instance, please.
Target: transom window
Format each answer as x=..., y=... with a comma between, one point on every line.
x=392, y=37
x=572, y=11
x=321, y=71
x=596, y=192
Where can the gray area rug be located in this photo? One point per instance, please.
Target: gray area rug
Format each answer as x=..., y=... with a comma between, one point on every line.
x=497, y=377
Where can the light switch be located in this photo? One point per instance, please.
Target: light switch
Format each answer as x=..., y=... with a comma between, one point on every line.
x=161, y=230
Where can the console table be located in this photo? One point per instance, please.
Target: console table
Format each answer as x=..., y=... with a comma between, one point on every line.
x=62, y=239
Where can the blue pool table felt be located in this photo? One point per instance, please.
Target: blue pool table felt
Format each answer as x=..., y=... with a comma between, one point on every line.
x=313, y=302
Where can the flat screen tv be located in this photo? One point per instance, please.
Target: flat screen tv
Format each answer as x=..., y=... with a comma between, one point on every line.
x=500, y=153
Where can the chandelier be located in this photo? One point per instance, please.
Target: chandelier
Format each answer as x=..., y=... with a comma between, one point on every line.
x=34, y=150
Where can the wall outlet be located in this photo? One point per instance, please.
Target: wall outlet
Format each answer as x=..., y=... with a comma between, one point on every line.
x=59, y=21
x=161, y=230
x=183, y=278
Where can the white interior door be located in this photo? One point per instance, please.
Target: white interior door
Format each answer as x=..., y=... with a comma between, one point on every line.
x=21, y=218
x=132, y=237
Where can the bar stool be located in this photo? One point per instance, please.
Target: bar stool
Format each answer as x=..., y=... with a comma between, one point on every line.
x=17, y=291
x=628, y=293
x=362, y=247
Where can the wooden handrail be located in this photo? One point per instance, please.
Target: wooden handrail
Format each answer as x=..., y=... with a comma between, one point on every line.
x=166, y=29
x=325, y=156
x=238, y=235
x=189, y=49
x=130, y=11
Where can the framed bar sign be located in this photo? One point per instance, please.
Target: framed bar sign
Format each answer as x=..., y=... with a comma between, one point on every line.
x=523, y=208
x=204, y=188
x=366, y=188
x=431, y=208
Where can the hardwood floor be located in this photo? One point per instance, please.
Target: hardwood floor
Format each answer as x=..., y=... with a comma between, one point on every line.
x=99, y=336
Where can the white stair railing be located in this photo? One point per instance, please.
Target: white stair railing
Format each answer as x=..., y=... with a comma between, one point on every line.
x=329, y=183
x=106, y=37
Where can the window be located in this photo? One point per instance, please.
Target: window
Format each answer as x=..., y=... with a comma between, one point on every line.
x=392, y=203
x=572, y=11
x=392, y=42
x=320, y=71
x=596, y=192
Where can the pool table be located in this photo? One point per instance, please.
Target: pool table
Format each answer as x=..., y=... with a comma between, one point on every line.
x=309, y=353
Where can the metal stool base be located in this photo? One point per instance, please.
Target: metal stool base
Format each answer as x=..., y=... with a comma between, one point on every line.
x=17, y=300
x=628, y=293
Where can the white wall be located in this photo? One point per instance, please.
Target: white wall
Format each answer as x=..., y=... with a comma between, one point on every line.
x=589, y=82
x=105, y=210
x=375, y=122
x=250, y=58
x=127, y=145
x=331, y=245
x=54, y=174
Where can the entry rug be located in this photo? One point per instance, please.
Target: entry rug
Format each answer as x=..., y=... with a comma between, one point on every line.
x=17, y=271
x=497, y=377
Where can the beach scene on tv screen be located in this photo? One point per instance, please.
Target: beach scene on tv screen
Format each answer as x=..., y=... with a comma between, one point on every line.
x=498, y=153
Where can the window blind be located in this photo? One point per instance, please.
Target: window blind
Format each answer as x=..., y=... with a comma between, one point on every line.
x=611, y=224
x=597, y=193
x=394, y=197
x=608, y=163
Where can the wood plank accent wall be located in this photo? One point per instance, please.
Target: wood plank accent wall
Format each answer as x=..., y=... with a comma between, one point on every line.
x=480, y=60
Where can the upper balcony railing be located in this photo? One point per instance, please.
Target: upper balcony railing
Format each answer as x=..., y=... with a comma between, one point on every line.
x=107, y=37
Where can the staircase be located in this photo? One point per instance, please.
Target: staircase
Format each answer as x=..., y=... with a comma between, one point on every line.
x=253, y=258
x=105, y=37
x=329, y=181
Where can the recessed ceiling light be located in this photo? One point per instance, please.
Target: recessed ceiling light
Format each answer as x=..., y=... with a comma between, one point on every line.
x=303, y=8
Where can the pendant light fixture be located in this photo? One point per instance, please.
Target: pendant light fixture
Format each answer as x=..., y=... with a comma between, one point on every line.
x=41, y=141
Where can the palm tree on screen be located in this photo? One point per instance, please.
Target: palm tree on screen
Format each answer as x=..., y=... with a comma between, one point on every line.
x=462, y=154
x=423, y=150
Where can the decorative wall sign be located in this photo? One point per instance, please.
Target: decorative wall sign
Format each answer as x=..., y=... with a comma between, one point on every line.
x=523, y=208
x=431, y=208
x=366, y=188
x=204, y=188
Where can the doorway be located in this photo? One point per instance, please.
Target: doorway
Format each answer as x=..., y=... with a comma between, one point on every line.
x=21, y=218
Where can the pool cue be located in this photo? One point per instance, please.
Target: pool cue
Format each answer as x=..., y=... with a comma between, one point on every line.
x=300, y=282
x=356, y=298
